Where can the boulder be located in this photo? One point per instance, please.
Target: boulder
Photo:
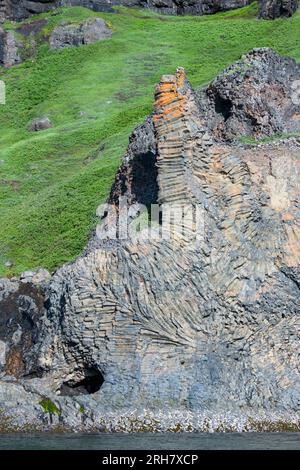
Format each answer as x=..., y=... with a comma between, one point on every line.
x=40, y=124
x=272, y=9
x=71, y=35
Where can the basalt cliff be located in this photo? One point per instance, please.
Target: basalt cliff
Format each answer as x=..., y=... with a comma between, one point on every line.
x=191, y=327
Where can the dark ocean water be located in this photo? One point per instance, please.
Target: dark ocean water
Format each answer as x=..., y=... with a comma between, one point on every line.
x=234, y=441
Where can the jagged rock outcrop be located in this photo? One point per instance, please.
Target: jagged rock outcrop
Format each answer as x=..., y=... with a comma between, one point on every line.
x=17, y=10
x=257, y=96
x=89, y=32
x=272, y=9
x=198, y=315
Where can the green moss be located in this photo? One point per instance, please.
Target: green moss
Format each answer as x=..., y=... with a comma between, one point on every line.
x=49, y=407
x=81, y=409
x=266, y=140
x=95, y=96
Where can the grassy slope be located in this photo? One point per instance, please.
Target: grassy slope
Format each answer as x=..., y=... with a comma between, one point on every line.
x=95, y=96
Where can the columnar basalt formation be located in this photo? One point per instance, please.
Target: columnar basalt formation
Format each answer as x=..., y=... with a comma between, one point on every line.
x=202, y=318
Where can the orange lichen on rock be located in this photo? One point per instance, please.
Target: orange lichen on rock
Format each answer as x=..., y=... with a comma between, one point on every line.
x=169, y=101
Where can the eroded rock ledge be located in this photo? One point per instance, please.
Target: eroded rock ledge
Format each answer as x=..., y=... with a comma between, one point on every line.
x=208, y=329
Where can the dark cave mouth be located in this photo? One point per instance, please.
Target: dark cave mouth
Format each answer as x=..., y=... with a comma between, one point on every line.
x=223, y=106
x=91, y=383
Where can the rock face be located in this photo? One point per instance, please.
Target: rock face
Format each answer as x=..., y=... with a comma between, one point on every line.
x=71, y=35
x=14, y=49
x=21, y=307
x=9, y=49
x=17, y=10
x=20, y=9
x=257, y=96
x=197, y=316
x=271, y=9
x=194, y=7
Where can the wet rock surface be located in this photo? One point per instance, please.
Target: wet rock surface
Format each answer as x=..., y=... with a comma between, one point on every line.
x=204, y=328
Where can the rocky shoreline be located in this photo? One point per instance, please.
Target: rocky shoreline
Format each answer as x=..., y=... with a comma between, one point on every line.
x=147, y=421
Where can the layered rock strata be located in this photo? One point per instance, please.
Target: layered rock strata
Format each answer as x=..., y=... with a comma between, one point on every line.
x=199, y=318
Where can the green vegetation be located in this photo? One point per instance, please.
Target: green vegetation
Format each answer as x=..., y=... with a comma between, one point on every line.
x=49, y=407
x=51, y=182
x=266, y=140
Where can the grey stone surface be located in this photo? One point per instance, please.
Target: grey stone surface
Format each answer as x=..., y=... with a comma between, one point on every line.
x=40, y=124
x=35, y=277
x=9, y=48
x=272, y=9
x=174, y=333
x=257, y=96
x=70, y=35
x=14, y=49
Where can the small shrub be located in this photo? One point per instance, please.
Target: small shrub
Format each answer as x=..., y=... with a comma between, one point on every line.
x=49, y=407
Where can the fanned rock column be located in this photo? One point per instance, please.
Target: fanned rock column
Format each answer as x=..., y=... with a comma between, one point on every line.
x=200, y=325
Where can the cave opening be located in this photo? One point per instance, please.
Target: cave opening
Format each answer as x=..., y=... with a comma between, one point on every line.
x=223, y=106
x=91, y=383
x=144, y=179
